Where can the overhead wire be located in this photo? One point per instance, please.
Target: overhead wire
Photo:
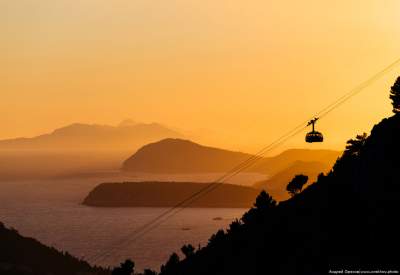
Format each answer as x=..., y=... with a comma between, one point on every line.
x=159, y=219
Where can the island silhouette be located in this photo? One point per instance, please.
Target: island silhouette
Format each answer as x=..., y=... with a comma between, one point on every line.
x=168, y=194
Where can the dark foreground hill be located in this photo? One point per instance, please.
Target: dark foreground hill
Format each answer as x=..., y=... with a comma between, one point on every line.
x=26, y=256
x=346, y=220
x=167, y=194
x=184, y=156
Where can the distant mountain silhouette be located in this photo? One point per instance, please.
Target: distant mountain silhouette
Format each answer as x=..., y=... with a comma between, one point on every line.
x=92, y=136
x=275, y=184
x=26, y=256
x=167, y=194
x=346, y=220
x=184, y=156
x=76, y=149
x=276, y=164
x=127, y=123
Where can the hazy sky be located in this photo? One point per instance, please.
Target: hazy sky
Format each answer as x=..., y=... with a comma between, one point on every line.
x=235, y=74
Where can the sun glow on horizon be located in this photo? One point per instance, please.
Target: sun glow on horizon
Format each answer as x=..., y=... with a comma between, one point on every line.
x=228, y=74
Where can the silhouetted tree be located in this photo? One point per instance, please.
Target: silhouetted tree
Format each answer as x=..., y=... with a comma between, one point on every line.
x=296, y=184
x=395, y=96
x=354, y=146
x=188, y=250
x=320, y=177
x=216, y=238
x=235, y=226
x=344, y=165
x=264, y=201
x=126, y=268
x=171, y=264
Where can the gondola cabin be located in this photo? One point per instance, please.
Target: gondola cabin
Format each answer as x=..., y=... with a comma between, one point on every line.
x=314, y=136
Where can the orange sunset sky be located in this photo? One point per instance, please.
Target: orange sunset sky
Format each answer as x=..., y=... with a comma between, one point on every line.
x=233, y=74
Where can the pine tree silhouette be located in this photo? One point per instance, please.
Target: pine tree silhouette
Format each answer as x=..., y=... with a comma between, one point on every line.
x=395, y=96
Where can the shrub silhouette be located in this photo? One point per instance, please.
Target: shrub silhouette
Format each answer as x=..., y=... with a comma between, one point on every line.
x=296, y=184
x=235, y=226
x=264, y=203
x=188, y=250
x=126, y=268
x=149, y=272
x=171, y=265
x=354, y=146
x=217, y=238
x=395, y=96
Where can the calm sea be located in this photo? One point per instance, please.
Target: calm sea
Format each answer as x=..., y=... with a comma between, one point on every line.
x=50, y=211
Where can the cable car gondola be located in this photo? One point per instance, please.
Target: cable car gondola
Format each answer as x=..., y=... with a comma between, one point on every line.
x=314, y=136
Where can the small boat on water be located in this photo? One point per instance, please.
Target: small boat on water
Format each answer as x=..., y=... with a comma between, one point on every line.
x=218, y=219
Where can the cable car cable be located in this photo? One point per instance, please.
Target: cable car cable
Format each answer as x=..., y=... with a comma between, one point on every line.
x=183, y=205
x=149, y=226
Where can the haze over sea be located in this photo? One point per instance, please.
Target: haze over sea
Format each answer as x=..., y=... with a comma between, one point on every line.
x=51, y=212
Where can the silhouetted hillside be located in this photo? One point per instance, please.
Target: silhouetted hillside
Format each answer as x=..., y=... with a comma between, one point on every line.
x=167, y=194
x=183, y=156
x=26, y=256
x=275, y=185
x=346, y=220
x=88, y=137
